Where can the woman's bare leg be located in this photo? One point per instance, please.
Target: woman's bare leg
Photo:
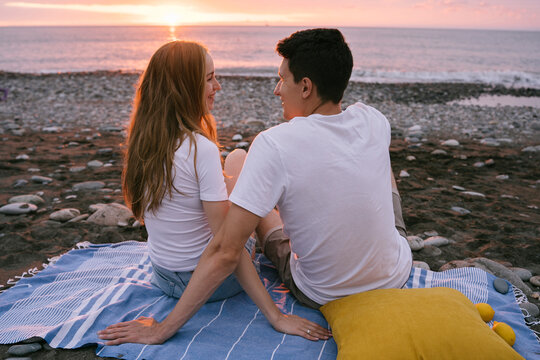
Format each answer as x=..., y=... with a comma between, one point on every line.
x=233, y=166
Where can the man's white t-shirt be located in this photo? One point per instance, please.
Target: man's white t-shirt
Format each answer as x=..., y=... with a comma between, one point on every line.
x=178, y=231
x=330, y=178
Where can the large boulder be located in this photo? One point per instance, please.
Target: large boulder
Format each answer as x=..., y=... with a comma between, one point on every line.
x=491, y=267
x=111, y=214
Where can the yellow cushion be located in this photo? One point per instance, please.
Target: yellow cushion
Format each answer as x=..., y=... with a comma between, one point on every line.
x=436, y=323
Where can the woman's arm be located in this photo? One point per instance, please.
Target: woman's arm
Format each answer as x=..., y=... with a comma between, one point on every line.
x=215, y=212
x=289, y=324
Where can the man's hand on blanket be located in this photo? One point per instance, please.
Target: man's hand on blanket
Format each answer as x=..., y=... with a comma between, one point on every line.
x=295, y=325
x=144, y=330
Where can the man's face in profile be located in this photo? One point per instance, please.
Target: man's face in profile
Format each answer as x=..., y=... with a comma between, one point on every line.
x=289, y=92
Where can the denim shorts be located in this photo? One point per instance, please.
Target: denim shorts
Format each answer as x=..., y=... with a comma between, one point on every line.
x=174, y=283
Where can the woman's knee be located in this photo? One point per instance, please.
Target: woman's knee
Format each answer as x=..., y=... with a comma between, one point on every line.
x=234, y=161
x=233, y=165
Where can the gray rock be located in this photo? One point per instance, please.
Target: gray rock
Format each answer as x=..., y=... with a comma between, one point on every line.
x=22, y=157
x=530, y=309
x=11, y=126
x=502, y=177
x=51, y=129
x=64, y=214
x=458, y=188
x=89, y=185
x=18, y=208
x=94, y=164
x=20, y=183
x=41, y=179
x=111, y=128
x=439, y=152
x=450, y=142
x=523, y=274
x=455, y=264
x=111, y=214
x=531, y=149
x=105, y=151
x=479, y=164
x=242, y=144
x=535, y=280
x=414, y=128
x=501, y=271
x=430, y=251
x=415, y=242
x=436, y=241
x=492, y=267
x=24, y=349
x=95, y=207
x=79, y=218
x=410, y=158
x=254, y=123
x=32, y=199
x=460, y=210
x=76, y=169
x=404, y=173
x=421, y=265
x=18, y=358
x=490, y=142
x=472, y=194
x=73, y=144
x=501, y=285
x=431, y=233
x=237, y=137
x=489, y=162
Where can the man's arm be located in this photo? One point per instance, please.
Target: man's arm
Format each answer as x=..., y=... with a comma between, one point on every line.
x=218, y=261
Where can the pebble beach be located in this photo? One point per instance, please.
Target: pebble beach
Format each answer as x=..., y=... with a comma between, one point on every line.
x=468, y=174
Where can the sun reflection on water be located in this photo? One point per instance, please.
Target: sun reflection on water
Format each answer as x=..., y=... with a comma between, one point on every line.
x=172, y=33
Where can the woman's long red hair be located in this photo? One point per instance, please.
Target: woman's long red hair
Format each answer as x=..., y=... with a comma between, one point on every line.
x=169, y=108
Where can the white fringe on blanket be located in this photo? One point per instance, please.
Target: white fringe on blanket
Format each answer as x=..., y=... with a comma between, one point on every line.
x=50, y=261
x=530, y=321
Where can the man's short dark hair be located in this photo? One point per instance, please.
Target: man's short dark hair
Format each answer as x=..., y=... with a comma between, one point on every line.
x=321, y=55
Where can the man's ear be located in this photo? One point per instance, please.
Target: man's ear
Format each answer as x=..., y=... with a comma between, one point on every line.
x=307, y=87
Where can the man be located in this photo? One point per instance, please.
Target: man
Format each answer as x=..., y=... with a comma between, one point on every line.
x=328, y=172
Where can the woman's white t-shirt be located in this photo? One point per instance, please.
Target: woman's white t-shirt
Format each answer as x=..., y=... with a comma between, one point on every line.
x=178, y=231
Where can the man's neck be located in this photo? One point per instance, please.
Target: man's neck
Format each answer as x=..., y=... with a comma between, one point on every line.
x=326, y=108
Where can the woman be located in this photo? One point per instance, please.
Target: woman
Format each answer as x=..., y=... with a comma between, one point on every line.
x=173, y=180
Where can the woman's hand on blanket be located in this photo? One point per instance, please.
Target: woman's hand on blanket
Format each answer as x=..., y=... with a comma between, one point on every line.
x=144, y=330
x=296, y=325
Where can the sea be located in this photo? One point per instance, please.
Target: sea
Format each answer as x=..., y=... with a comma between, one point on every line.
x=508, y=58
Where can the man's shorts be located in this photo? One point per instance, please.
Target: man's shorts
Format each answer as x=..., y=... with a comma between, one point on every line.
x=276, y=247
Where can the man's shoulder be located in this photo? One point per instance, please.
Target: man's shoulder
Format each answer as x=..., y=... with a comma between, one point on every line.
x=271, y=135
x=360, y=107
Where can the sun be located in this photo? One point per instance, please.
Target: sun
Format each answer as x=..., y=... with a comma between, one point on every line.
x=171, y=18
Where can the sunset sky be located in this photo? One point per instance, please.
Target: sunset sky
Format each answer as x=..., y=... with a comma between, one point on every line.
x=469, y=14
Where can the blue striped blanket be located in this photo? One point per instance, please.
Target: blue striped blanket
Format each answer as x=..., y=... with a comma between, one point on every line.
x=88, y=289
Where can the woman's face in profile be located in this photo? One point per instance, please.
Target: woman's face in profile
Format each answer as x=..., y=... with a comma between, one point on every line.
x=212, y=85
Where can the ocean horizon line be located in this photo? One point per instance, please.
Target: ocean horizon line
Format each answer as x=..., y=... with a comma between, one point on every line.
x=269, y=26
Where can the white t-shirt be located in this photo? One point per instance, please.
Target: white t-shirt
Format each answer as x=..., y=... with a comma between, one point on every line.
x=178, y=231
x=330, y=178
